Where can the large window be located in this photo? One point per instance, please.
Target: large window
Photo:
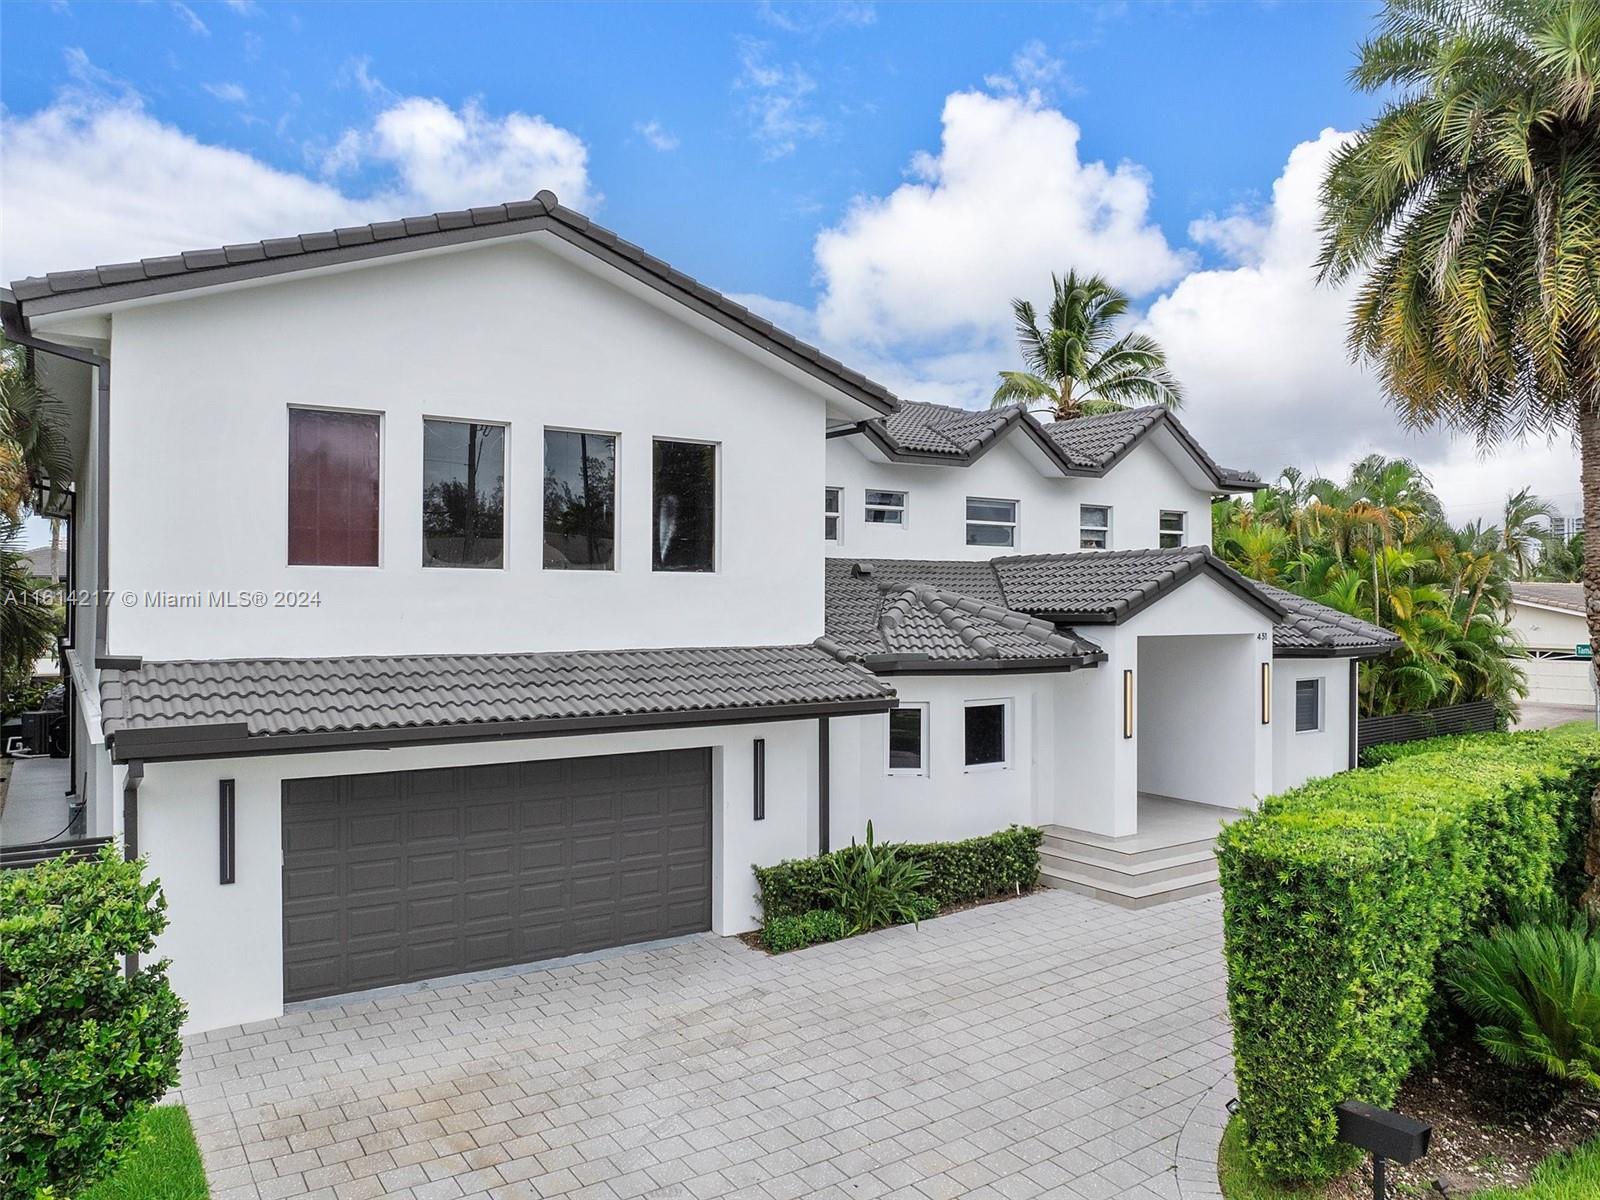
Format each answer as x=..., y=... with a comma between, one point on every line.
x=886, y=508
x=580, y=501
x=986, y=733
x=685, y=525
x=333, y=488
x=463, y=494
x=1094, y=527
x=1174, y=530
x=991, y=522
x=1307, y=705
x=908, y=739
x=830, y=513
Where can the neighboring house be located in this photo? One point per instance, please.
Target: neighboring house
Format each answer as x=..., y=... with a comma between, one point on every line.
x=520, y=633
x=48, y=564
x=1549, y=618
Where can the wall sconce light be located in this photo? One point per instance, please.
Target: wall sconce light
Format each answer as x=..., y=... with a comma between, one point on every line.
x=227, y=861
x=1127, y=704
x=759, y=753
x=1266, y=693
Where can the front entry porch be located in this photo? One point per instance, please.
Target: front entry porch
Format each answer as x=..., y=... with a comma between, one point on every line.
x=1170, y=858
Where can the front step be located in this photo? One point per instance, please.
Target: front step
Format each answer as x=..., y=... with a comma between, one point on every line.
x=1131, y=896
x=1134, y=872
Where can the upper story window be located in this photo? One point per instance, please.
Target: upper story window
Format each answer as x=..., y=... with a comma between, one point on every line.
x=333, y=488
x=1174, y=530
x=463, y=494
x=685, y=522
x=580, y=500
x=1094, y=527
x=886, y=508
x=1307, y=705
x=908, y=739
x=991, y=522
x=987, y=737
x=830, y=513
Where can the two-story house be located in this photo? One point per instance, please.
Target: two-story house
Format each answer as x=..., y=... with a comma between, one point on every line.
x=453, y=593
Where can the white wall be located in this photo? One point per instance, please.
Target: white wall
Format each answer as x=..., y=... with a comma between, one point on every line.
x=1547, y=629
x=1297, y=757
x=1559, y=681
x=1199, y=707
x=226, y=941
x=504, y=333
x=1136, y=489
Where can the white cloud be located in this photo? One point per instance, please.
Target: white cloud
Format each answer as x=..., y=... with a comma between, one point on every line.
x=1005, y=201
x=659, y=138
x=105, y=181
x=815, y=18
x=228, y=93
x=777, y=100
x=1034, y=73
x=191, y=19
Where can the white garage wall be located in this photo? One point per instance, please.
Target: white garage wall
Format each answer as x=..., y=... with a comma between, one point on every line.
x=1298, y=757
x=1559, y=681
x=226, y=941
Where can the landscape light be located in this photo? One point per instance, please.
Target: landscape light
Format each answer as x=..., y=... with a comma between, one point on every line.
x=1383, y=1134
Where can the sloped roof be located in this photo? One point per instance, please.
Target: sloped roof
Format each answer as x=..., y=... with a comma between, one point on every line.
x=1107, y=587
x=1312, y=630
x=940, y=429
x=1099, y=442
x=1568, y=597
x=62, y=290
x=890, y=624
x=264, y=704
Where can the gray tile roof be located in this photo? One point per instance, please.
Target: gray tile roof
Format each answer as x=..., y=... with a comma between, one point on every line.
x=1316, y=630
x=61, y=290
x=1568, y=597
x=892, y=622
x=940, y=429
x=276, y=697
x=1099, y=586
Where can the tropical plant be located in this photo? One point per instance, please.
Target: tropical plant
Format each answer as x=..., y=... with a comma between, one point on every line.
x=1534, y=988
x=1561, y=560
x=1078, y=366
x=33, y=444
x=873, y=885
x=1525, y=525
x=30, y=614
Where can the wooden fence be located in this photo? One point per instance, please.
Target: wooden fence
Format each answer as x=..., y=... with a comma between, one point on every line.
x=1476, y=716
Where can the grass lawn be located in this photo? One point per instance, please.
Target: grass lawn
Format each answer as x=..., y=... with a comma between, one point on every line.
x=164, y=1166
x=1574, y=1176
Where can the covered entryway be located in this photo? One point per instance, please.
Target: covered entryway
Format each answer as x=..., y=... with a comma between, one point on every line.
x=401, y=876
x=1199, y=711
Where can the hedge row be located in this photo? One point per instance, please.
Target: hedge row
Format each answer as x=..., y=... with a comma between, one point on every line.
x=1340, y=897
x=958, y=872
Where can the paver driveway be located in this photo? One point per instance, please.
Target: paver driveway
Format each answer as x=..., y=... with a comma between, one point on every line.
x=1051, y=1045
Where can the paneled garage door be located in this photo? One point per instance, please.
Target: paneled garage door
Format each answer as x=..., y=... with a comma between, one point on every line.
x=416, y=874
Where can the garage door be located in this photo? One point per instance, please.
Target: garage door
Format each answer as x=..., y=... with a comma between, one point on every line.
x=1560, y=681
x=416, y=874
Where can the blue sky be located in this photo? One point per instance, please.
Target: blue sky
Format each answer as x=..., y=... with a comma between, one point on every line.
x=881, y=178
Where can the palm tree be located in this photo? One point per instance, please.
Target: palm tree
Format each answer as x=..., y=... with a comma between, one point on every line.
x=1078, y=367
x=1526, y=525
x=32, y=442
x=1471, y=208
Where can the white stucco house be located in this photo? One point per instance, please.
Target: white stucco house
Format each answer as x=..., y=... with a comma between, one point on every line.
x=1550, y=620
x=544, y=590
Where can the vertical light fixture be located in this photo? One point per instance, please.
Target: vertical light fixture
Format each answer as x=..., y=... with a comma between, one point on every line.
x=1266, y=693
x=760, y=755
x=225, y=831
x=1127, y=704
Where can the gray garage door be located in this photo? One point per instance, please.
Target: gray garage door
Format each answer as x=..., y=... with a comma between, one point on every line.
x=416, y=874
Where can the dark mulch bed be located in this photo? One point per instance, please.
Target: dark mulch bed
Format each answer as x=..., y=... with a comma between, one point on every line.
x=1491, y=1126
x=753, y=938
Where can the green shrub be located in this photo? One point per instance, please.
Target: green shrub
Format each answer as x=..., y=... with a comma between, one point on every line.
x=871, y=885
x=958, y=872
x=84, y=1050
x=1340, y=899
x=784, y=933
x=924, y=907
x=1534, y=989
x=824, y=925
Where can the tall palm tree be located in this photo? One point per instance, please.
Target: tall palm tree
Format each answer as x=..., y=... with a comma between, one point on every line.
x=1077, y=366
x=1470, y=207
x=1524, y=528
x=32, y=441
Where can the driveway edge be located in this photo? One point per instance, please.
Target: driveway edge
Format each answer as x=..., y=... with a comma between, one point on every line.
x=1199, y=1141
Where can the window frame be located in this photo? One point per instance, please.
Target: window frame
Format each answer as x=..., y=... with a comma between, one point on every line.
x=903, y=508
x=1182, y=531
x=1104, y=530
x=505, y=514
x=1014, y=525
x=716, y=502
x=1006, y=734
x=616, y=498
x=1321, y=684
x=288, y=497
x=921, y=707
x=836, y=495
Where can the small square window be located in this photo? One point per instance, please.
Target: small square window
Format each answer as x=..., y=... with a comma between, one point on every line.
x=1174, y=530
x=991, y=522
x=886, y=508
x=986, y=734
x=830, y=513
x=1094, y=527
x=908, y=739
x=1307, y=705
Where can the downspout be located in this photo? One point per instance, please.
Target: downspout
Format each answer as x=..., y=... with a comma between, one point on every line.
x=130, y=836
x=824, y=772
x=1355, y=712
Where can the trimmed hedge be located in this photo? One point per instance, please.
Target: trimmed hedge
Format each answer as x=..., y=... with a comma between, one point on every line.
x=1340, y=898
x=791, y=933
x=958, y=872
